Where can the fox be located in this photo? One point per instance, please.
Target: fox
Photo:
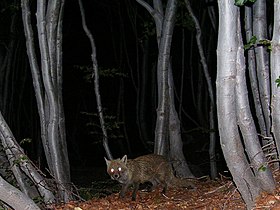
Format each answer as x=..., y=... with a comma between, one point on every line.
x=147, y=168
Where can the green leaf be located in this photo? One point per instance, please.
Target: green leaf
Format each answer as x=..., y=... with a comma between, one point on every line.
x=240, y=2
x=251, y=43
x=25, y=141
x=277, y=81
x=266, y=42
x=262, y=168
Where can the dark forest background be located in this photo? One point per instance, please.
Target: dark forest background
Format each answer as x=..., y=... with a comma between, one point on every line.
x=126, y=45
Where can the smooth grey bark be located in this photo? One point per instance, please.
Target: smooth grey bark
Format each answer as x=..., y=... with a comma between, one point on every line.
x=247, y=126
x=275, y=74
x=21, y=164
x=262, y=60
x=252, y=73
x=177, y=157
x=226, y=103
x=15, y=198
x=47, y=82
x=212, y=127
x=167, y=116
x=163, y=110
x=95, y=75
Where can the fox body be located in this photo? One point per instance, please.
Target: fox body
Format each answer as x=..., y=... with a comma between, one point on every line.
x=148, y=168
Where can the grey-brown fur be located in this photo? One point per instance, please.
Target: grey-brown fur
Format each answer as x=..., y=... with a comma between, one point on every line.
x=148, y=168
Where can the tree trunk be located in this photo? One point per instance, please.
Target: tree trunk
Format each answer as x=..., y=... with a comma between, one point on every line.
x=212, y=127
x=262, y=60
x=95, y=75
x=177, y=157
x=246, y=124
x=15, y=198
x=163, y=110
x=22, y=166
x=48, y=87
x=275, y=74
x=252, y=73
x=226, y=103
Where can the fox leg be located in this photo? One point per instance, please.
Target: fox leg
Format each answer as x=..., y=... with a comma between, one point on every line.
x=123, y=190
x=135, y=189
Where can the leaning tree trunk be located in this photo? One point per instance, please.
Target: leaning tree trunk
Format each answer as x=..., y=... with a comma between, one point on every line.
x=226, y=103
x=47, y=82
x=15, y=198
x=26, y=174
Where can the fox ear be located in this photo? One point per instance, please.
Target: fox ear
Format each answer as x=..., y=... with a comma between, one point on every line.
x=107, y=161
x=124, y=159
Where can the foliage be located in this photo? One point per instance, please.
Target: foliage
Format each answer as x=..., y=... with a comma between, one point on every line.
x=25, y=141
x=277, y=81
x=244, y=2
x=112, y=126
x=149, y=29
x=87, y=72
x=251, y=43
x=183, y=18
x=254, y=42
x=266, y=42
x=22, y=158
x=262, y=168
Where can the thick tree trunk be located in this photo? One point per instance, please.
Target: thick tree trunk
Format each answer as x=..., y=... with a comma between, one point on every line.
x=226, y=103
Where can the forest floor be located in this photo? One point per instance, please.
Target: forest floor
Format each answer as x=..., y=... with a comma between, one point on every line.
x=209, y=195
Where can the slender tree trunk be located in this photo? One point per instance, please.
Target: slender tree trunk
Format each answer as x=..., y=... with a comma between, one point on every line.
x=168, y=130
x=163, y=110
x=95, y=75
x=48, y=84
x=252, y=73
x=275, y=74
x=177, y=157
x=262, y=60
x=247, y=125
x=212, y=127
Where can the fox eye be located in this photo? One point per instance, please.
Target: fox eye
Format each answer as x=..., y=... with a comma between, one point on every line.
x=112, y=170
x=119, y=169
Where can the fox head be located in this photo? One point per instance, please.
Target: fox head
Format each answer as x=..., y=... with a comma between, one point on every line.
x=117, y=169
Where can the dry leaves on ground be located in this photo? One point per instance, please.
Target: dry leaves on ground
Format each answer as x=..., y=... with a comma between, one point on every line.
x=213, y=195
